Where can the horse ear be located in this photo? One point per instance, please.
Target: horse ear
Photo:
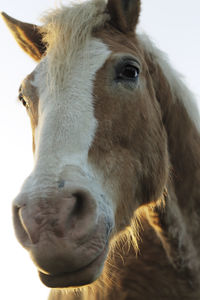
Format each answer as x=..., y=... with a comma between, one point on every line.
x=27, y=35
x=124, y=14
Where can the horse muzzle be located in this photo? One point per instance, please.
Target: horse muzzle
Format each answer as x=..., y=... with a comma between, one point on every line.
x=66, y=232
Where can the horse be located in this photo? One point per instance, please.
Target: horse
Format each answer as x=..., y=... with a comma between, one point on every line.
x=111, y=208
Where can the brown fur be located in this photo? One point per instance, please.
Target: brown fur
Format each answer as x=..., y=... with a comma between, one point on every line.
x=120, y=136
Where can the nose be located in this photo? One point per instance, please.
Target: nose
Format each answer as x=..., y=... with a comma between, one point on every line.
x=71, y=215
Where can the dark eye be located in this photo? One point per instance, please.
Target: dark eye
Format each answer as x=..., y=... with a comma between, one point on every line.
x=128, y=72
x=21, y=99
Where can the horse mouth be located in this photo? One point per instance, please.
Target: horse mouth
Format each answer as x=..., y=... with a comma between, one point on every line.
x=80, y=277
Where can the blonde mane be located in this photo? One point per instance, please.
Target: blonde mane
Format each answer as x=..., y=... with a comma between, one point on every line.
x=66, y=30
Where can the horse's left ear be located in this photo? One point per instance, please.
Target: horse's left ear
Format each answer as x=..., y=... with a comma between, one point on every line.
x=124, y=14
x=27, y=35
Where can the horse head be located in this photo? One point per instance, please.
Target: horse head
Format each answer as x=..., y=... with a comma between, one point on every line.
x=99, y=142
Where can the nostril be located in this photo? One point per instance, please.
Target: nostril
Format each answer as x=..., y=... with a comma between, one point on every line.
x=21, y=219
x=25, y=226
x=84, y=204
x=82, y=218
x=79, y=206
x=19, y=226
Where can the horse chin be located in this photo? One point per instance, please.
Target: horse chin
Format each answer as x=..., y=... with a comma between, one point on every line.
x=80, y=277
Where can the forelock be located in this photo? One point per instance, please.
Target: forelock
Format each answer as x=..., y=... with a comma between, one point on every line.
x=66, y=31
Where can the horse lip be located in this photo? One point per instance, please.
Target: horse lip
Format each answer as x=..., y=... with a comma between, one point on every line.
x=75, y=278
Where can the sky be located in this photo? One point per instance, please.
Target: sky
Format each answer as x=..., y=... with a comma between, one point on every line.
x=174, y=25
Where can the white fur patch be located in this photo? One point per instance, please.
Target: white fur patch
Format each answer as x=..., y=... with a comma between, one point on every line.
x=174, y=79
x=67, y=124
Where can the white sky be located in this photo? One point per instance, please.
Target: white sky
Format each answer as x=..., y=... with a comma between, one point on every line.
x=174, y=26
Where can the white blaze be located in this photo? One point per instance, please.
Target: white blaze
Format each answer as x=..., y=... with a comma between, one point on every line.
x=67, y=124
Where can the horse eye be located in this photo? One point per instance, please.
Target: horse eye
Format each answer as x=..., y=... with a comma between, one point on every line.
x=128, y=72
x=21, y=99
